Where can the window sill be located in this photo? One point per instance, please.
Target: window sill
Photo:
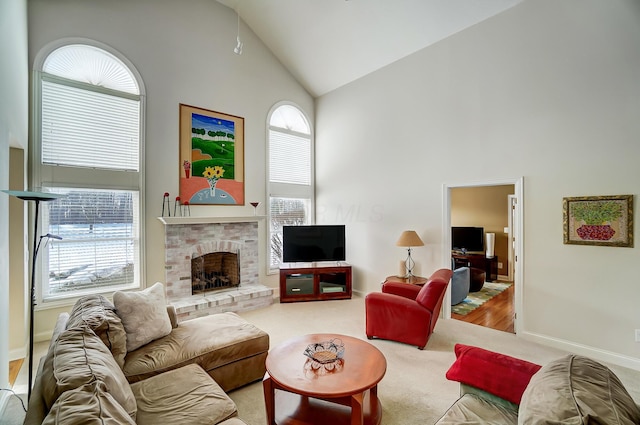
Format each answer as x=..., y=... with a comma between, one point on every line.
x=64, y=301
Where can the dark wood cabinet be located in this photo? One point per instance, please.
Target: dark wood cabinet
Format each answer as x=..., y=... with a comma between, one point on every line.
x=478, y=261
x=315, y=281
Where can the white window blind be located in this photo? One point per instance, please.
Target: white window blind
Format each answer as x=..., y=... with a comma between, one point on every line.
x=290, y=158
x=84, y=128
x=100, y=237
x=91, y=65
x=291, y=118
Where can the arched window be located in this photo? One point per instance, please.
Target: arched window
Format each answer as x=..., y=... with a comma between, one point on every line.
x=88, y=147
x=291, y=179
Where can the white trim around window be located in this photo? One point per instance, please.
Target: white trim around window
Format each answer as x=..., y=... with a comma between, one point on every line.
x=121, y=182
x=290, y=175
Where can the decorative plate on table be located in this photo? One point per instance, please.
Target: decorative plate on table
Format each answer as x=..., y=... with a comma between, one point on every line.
x=325, y=351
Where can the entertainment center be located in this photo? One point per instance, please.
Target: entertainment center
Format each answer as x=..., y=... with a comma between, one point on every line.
x=313, y=267
x=330, y=280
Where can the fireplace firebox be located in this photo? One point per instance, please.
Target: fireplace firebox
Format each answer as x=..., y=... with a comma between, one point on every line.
x=214, y=271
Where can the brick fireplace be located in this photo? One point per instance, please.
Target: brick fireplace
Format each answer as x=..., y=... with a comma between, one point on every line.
x=188, y=239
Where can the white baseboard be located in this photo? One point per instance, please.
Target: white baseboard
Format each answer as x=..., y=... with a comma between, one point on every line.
x=585, y=350
x=358, y=293
x=18, y=353
x=43, y=336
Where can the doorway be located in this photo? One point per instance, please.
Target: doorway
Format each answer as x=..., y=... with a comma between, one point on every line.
x=476, y=204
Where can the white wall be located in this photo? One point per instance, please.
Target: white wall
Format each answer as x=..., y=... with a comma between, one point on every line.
x=184, y=52
x=547, y=90
x=13, y=132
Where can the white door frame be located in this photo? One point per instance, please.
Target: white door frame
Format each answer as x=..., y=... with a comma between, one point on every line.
x=512, y=202
x=518, y=184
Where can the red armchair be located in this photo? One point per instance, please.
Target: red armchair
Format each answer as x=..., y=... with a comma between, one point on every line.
x=404, y=312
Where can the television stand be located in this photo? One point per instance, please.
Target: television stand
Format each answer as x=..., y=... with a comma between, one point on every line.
x=478, y=261
x=326, y=280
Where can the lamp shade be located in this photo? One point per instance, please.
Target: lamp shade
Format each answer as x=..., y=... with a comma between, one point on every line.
x=409, y=238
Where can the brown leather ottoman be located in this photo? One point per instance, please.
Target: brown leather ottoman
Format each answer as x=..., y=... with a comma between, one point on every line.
x=230, y=349
x=478, y=277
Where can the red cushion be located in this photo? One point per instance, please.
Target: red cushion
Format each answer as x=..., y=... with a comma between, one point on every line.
x=499, y=374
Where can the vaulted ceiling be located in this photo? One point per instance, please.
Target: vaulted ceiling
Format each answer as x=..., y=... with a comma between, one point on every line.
x=326, y=44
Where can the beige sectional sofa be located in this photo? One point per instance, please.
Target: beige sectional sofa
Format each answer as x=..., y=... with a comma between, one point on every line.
x=88, y=376
x=499, y=389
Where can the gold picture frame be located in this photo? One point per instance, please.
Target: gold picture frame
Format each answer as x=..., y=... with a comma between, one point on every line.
x=211, y=157
x=598, y=220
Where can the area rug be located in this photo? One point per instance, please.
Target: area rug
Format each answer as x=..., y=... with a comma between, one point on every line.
x=476, y=299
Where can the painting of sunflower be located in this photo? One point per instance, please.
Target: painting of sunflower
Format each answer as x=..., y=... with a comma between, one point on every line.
x=213, y=172
x=211, y=157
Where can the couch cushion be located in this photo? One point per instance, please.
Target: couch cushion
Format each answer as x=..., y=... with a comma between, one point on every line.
x=210, y=341
x=577, y=390
x=499, y=374
x=96, y=312
x=87, y=405
x=180, y=396
x=471, y=409
x=78, y=357
x=144, y=315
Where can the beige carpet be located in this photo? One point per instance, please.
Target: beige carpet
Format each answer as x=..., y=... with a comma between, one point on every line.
x=414, y=389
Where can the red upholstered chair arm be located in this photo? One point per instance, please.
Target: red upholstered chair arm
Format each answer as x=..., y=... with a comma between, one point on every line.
x=405, y=290
x=390, y=306
x=383, y=312
x=498, y=374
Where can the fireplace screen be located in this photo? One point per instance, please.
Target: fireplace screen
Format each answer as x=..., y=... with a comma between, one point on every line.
x=213, y=271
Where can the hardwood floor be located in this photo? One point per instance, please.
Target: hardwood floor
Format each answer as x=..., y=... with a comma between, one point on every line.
x=497, y=313
x=14, y=369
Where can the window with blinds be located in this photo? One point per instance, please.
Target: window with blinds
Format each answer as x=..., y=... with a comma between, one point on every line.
x=285, y=212
x=291, y=183
x=99, y=245
x=85, y=128
x=283, y=148
x=89, y=150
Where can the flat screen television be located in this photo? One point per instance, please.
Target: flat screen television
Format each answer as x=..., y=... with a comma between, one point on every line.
x=470, y=239
x=305, y=244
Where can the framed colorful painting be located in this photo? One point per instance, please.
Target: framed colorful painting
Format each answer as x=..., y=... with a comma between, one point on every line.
x=211, y=157
x=598, y=220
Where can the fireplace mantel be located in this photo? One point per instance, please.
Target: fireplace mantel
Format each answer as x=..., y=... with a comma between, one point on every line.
x=167, y=221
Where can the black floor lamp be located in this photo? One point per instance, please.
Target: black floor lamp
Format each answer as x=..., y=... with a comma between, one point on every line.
x=37, y=197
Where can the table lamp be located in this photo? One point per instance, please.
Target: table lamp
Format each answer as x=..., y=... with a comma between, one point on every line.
x=409, y=238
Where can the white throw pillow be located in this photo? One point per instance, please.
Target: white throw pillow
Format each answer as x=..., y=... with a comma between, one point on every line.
x=143, y=314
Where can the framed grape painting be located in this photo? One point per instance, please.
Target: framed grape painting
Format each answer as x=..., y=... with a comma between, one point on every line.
x=598, y=220
x=211, y=157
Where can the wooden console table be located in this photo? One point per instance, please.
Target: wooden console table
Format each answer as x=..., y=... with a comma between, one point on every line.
x=478, y=261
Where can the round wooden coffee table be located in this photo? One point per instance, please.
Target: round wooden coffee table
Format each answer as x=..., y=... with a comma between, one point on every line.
x=299, y=391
